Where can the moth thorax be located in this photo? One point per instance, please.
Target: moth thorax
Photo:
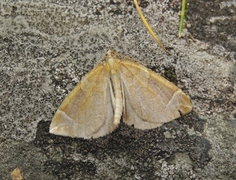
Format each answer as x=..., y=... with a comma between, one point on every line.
x=112, y=65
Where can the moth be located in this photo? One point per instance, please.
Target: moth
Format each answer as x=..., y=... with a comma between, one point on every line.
x=118, y=88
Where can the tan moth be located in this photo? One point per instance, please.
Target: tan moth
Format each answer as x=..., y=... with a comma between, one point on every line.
x=118, y=88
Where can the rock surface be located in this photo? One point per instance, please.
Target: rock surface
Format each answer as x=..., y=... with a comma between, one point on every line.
x=47, y=46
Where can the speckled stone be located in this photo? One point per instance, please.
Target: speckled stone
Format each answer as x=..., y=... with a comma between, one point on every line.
x=47, y=46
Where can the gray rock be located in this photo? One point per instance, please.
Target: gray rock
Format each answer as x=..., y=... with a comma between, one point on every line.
x=47, y=46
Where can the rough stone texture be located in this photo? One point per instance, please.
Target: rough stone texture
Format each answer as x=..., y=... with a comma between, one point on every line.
x=47, y=46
